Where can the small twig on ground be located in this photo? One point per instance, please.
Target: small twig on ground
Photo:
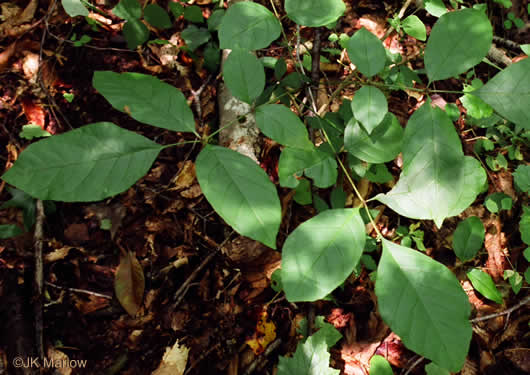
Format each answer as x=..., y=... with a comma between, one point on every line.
x=414, y=364
x=75, y=290
x=259, y=361
x=505, y=312
x=181, y=292
x=39, y=279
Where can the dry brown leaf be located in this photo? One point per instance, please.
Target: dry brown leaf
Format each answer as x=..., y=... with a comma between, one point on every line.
x=192, y=193
x=59, y=254
x=34, y=112
x=77, y=232
x=6, y=55
x=57, y=357
x=186, y=176
x=94, y=303
x=129, y=283
x=520, y=357
x=174, y=360
x=495, y=244
x=115, y=213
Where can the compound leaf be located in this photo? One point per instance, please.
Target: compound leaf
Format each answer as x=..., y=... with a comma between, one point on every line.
x=468, y=238
x=369, y=107
x=458, y=41
x=416, y=295
x=146, y=99
x=278, y=122
x=379, y=147
x=248, y=26
x=90, y=163
x=240, y=192
x=244, y=75
x=314, y=13
x=509, y=93
x=367, y=52
x=321, y=253
x=437, y=180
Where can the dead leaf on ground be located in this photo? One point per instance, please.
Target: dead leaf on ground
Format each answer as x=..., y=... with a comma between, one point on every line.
x=6, y=55
x=174, y=360
x=495, y=243
x=186, y=176
x=77, y=232
x=520, y=357
x=129, y=283
x=60, y=253
x=56, y=356
x=265, y=334
x=34, y=112
x=114, y=212
x=93, y=303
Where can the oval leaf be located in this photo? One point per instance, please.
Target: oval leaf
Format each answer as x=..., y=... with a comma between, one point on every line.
x=128, y=10
x=437, y=180
x=380, y=366
x=369, y=107
x=240, y=192
x=509, y=93
x=458, y=41
x=413, y=26
x=157, y=16
x=90, y=163
x=367, y=52
x=129, y=283
x=383, y=145
x=321, y=253
x=146, y=99
x=484, y=284
x=417, y=295
x=244, y=75
x=314, y=13
x=74, y=8
x=468, y=238
x=248, y=26
x=278, y=122
x=135, y=33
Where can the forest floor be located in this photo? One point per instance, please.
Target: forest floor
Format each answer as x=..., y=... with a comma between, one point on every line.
x=204, y=285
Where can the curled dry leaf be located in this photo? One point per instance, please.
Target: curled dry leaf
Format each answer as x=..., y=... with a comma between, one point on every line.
x=186, y=176
x=129, y=283
x=174, y=360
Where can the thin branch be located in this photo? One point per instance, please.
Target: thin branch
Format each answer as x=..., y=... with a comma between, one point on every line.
x=75, y=290
x=39, y=278
x=413, y=366
x=505, y=312
x=261, y=359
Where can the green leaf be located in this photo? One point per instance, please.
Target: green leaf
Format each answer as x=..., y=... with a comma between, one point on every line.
x=498, y=201
x=278, y=122
x=338, y=198
x=369, y=107
x=157, y=16
x=526, y=254
x=378, y=173
x=509, y=93
x=468, y=238
x=433, y=369
x=435, y=7
x=302, y=194
x=314, y=13
x=129, y=10
x=527, y=275
x=311, y=358
x=417, y=295
x=146, y=99
x=380, y=366
x=193, y=14
x=31, y=131
x=240, y=192
x=318, y=165
x=379, y=147
x=195, y=36
x=319, y=203
x=280, y=68
x=367, y=52
x=244, y=75
x=437, y=181
x=74, y=8
x=212, y=57
x=524, y=225
x=9, y=230
x=214, y=21
x=484, y=284
x=525, y=48
x=515, y=279
x=413, y=26
x=459, y=40
x=248, y=26
x=521, y=177
x=24, y=201
x=177, y=9
x=90, y=163
x=325, y=331
x=321, y=253
x=476, y=107
x=135, y=33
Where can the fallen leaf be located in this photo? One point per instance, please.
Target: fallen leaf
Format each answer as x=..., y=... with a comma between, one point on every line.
x=58, y=357
x=34, y=112
x=77, y=232
x=520, y=357
x=186, y=176
x=94, y=303
x=495, y=244
x=174, y=360
x=129, y=283
x=265, y=334
x=6, y=55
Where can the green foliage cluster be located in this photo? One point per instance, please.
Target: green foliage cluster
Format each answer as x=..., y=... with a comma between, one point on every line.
x=416, y=295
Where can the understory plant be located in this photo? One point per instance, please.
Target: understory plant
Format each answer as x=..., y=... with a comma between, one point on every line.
x=419, y=298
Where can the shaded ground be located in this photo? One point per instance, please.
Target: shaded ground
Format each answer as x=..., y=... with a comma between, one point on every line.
x=179, y=240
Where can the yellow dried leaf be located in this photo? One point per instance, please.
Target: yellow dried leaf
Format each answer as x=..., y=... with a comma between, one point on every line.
x=264, y=335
